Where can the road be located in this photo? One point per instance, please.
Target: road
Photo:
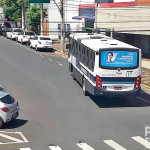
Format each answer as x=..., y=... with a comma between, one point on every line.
x=54, y=111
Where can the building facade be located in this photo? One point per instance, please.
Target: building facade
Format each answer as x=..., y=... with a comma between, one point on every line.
x=128, y=24
x=71, y=10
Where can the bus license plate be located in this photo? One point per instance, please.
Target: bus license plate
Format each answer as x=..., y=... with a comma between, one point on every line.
x=118, y=88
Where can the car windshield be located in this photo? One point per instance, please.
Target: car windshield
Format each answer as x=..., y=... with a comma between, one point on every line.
x=44, y=38
x=7, y=99
x=17, y=30
x=29, y=33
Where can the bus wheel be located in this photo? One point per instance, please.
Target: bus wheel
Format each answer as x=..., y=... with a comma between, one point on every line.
x=85, y=92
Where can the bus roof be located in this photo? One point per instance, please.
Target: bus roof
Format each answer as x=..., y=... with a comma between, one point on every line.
x=97, y=44
x=99, y=41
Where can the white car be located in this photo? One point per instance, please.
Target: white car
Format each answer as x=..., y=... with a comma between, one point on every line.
x=25, y=36
x=9, y=109
x=14, y=33
x=41, y=42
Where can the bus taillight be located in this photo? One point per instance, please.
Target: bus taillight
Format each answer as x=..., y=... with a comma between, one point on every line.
x=98, y=82
x=137, y=82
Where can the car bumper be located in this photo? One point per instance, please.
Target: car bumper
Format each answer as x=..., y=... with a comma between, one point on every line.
x=117, y=93
x=44, y=46
x=10, y=116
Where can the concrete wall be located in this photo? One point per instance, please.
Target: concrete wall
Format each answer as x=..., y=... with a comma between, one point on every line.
x=143, y=2
x=124, y=18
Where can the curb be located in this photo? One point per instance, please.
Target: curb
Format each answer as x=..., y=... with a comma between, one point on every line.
x=62, y=54
x=145, y=86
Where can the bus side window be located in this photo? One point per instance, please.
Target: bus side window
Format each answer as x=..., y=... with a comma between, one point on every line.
x=93, y=60
x=90, y=59
x=79, y=51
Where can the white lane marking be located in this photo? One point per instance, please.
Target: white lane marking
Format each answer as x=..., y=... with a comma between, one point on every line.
x=25, y=148
x=143, y=99
x=15, y=140
x=141, y=141
x=41, y=56
x=10, y=137
x=55, y=148
x=61, y=65
x=114, y=145
x=50, y=59
x=85, y=146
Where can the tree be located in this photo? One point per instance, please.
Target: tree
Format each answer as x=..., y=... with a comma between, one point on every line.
x=13, y=10
x=33, y=14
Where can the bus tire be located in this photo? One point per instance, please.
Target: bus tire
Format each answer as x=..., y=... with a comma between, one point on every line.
x=85, y=92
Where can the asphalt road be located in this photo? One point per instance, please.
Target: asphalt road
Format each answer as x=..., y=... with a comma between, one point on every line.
x=54, y=111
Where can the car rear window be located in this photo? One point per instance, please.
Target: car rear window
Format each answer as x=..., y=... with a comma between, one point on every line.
x=44, y=38
x=17, y=30
x=7, y=99
x=29, y=33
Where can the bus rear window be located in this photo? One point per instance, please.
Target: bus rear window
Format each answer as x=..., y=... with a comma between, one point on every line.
x=118, y=59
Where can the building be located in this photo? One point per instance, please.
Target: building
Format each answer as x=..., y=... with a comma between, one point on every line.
x=129, y=24
x=71, y=10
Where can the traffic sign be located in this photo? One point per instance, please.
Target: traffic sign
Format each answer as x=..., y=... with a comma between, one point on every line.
x=39, y=1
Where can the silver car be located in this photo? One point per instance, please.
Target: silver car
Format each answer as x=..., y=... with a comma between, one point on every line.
x=9, y=108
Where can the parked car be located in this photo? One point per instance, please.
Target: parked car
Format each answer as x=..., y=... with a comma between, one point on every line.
x=25, y=36
x=9, y=109
x=14, y=33
x=5, y=27
x=41, y=42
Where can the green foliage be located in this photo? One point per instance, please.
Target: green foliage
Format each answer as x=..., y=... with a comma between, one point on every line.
x=33, y=14
x=13, y=11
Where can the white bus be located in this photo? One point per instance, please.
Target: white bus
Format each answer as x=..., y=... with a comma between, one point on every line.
x=104, y=66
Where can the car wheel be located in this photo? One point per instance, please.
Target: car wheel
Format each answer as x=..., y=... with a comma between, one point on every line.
x=30, y=45
x=11, y=38
x=1, y=122
x=21, y=42
x=84, y=88
x=36, y=48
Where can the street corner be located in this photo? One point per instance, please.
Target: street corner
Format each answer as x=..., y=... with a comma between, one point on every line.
x=62, y=54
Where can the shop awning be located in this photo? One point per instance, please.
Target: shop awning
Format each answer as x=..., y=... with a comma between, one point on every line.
x=89, y=18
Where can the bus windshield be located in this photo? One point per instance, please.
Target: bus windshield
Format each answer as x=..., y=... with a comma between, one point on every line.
x=121, y=59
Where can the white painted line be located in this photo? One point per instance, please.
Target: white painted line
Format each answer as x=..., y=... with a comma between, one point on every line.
x=55, y=148
x=61, y=65
x=25, y=148
x=114, y=145
x=141, y=141
x=85, y=146
x=10, y=137
x=143, y=99
x=50, y=59
x=15, y=140
x=41, y=56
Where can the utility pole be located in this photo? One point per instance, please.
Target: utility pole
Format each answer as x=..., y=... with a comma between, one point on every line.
x=42, y=19
x=23, y=16
x=62, y=26
x=96, y=8
x=62, y=10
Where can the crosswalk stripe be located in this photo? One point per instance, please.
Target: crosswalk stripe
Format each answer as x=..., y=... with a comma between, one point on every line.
x=85, y=146
x=25, y=148
x=114, y=145
x=55, y=148
x=141, y=141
